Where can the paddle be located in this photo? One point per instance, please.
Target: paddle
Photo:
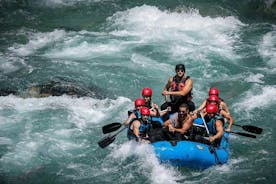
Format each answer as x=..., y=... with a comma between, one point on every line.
x=244, y=134
x=111, y=127
x=104, y=142
x=250, y=128
x=238, y=133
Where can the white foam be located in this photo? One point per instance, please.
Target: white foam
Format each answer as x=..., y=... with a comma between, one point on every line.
x=188, y=32
x=267, y=47
x=84, y=50
x=183, y=34
x=255, y=78
x=148, y=161
x=10, y=63
x=83, y=111
x=5, y=141
x=264, y=97
x=37, y=41
x=61, y=3
x=22, y=154
x=53, y=136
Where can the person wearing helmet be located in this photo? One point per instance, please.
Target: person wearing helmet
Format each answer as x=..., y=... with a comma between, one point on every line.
x=222, y=104
x=213, y=91
x=147, y=94
x=223, y=109
x=214, y=123
x=138, y=128
x=135, y=113
x=154, y=109
x=179, y=88
x=213, y=99
x=180, y=122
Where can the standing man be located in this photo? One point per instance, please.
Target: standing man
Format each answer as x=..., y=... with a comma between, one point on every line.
x=179, y=88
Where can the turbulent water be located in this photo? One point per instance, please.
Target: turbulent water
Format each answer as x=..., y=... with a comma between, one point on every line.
x=68, y=67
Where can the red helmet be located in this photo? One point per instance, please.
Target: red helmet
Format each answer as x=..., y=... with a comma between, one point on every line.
x=213, y=98
x=145, y=111
x=147, y=92
x=212, y=109
x=214, y=91
x=139, y=102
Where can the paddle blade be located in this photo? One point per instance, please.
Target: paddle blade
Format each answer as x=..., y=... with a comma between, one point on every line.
x=252, y=129
x=111, y=127
x=104, y=142
x=244, y=134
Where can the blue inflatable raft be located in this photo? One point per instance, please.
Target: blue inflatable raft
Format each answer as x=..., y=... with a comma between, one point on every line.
x=192, y=154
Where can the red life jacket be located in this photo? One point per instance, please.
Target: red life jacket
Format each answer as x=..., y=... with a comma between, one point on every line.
x=178, y=85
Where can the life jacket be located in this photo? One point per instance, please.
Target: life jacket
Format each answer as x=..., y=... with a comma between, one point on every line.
x=211, y=124
x=143, y=129
x=178, y=85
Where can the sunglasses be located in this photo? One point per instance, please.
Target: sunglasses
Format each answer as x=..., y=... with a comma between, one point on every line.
x=180, y=70
x=182, y=112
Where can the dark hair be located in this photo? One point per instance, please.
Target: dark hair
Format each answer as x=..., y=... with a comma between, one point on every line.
x=184, y=105
x=179, y=67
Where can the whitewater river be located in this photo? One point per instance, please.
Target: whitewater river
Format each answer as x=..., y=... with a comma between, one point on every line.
x=68, y=67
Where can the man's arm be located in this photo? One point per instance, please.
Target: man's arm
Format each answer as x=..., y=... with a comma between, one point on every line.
x=167, y=123
x=224, y=107
x=167, y=86
x=229, y=118
x=187, y=88
x=219, y=134
x=201, y=107
x=154, y=111
x=186, y=125
x=136, y=126
x=130, y=117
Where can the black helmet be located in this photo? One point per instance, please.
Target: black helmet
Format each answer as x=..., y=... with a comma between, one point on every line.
x=179, y=67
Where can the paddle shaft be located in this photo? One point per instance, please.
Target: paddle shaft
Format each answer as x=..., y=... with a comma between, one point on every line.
x=120, y=131
x=205, y=125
